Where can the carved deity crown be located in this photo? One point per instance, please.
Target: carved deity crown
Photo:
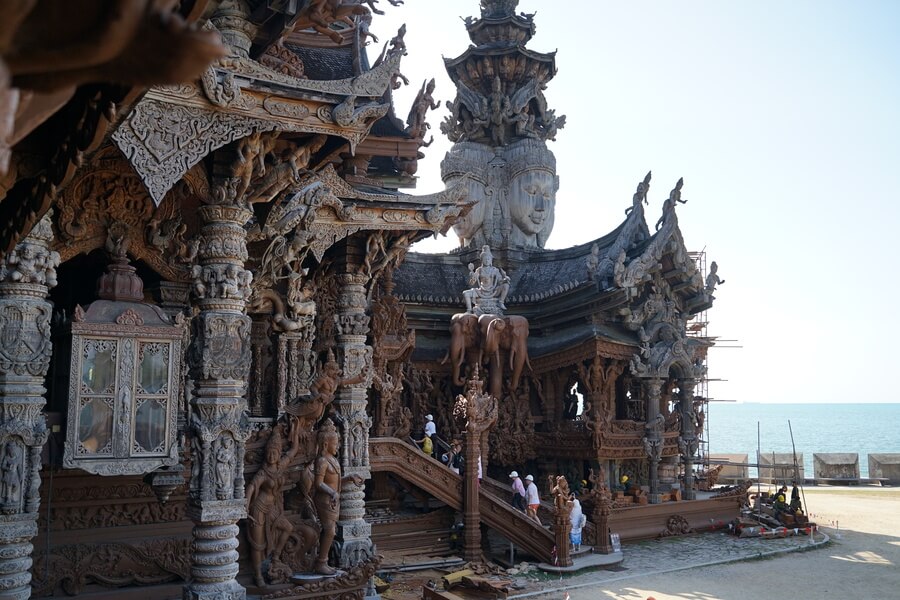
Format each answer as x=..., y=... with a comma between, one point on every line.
x=527, y=155
x=467, y=158
x=275, y=441
x=327, y=430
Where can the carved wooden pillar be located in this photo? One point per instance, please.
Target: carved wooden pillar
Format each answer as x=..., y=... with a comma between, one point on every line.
x=354, y=533
x=26, y=276
x=296, y=363
x=562, y=526
x=220, y=359
x=688, y=441
x=481, y=411
x=232, y=19
x=653, y=434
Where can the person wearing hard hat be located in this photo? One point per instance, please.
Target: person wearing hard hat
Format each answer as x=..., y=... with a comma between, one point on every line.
x=518, y=497
x=533, y=499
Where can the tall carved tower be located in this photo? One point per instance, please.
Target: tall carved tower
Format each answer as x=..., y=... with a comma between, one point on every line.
x=500, y=124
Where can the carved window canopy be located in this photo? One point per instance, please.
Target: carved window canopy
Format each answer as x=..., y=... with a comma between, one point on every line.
x=124, y=389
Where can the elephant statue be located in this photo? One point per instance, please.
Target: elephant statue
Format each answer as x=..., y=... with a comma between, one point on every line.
x=509, y=333
x=464, y=335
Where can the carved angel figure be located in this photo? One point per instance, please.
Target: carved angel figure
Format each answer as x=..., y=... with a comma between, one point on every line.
x=713, y=279
x=322, y=393
x=416, y=125
x=640, y=194
x=290, y=166
x=669, y=204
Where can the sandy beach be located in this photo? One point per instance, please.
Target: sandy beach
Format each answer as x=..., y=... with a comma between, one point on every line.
x=861, y=561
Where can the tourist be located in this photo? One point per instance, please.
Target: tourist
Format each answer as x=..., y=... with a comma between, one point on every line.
x=578, y=520
x=426, y=441
x=430, y=428
x=427, y=445
x=518, y=497
x=456, y=459
x=533, y=499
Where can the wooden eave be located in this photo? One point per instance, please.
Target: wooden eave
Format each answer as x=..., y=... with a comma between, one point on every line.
x=389, y=146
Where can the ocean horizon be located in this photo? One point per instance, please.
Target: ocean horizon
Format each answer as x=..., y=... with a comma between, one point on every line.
x=861, y=428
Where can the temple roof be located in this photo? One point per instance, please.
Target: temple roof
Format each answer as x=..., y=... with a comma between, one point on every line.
x=326, y=63
x=533, y=276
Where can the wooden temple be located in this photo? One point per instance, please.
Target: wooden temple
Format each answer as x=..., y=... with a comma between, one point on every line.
x=215, y=344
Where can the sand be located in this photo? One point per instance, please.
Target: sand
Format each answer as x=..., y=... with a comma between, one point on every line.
x=862, y=561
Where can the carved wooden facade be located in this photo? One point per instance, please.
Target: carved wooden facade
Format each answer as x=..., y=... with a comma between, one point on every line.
x=224, y=191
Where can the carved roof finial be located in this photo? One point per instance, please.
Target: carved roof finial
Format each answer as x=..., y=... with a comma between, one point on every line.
x=498, y=8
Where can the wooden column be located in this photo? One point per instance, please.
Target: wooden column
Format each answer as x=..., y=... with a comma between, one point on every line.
x=480, y=410
x=26, y=276
x=354, y=534
x=653, y=434
x=688, y=441
x=220, y=362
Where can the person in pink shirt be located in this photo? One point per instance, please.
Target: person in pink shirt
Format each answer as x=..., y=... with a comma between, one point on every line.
x=518, y=499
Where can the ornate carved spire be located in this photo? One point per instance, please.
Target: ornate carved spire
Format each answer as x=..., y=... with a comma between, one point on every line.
x=492, y=9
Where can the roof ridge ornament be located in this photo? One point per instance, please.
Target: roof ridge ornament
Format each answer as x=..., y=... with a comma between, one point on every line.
x=498, y=8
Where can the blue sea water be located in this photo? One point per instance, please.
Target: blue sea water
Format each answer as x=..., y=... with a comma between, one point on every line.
x=860, y=428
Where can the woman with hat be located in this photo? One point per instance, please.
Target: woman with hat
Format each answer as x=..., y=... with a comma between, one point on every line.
x=518, y=498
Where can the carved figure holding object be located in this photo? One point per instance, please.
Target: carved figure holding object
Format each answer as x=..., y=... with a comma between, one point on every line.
x=640, y=194
x=669, y=204
x=713, y=279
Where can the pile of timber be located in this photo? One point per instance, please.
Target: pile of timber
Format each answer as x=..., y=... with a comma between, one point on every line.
x=468, y=584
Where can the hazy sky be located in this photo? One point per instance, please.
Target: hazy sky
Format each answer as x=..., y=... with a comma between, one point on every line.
x=782, y=117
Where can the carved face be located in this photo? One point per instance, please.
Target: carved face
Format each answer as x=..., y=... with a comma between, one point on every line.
x=467, y=226
x=331, y=444
x=532, y=200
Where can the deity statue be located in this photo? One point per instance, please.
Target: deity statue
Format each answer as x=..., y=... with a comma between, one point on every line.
x=490, y=287
x=12, y=477
x=670, y=202
x=640, y=195
x=713, y=279
x=326, y=491
x=268, y=527
x=224, y=469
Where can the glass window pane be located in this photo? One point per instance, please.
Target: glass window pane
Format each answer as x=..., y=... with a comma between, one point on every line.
x=154, y=368
x=98, y=366
x=95, y=422
x=150, y=426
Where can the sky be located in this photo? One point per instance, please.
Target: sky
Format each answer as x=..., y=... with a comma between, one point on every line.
x=782, y=117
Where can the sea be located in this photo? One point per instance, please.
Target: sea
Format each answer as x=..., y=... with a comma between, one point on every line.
x=817, y=428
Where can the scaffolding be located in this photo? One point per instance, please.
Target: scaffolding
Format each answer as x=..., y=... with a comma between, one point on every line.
x=697, y=328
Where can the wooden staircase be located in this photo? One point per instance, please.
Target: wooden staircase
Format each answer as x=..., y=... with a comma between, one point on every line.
x=411, y=464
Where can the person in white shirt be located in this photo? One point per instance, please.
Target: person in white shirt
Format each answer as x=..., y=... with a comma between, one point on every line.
x=430, y=428
x=533, y=499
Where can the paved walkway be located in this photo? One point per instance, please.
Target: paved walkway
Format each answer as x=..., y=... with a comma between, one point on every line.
x=667, y=555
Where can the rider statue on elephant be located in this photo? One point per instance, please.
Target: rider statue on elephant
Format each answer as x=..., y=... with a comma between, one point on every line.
x=490, y=285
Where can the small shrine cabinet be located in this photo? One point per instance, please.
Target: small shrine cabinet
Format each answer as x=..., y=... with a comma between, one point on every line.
x=124, y=386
